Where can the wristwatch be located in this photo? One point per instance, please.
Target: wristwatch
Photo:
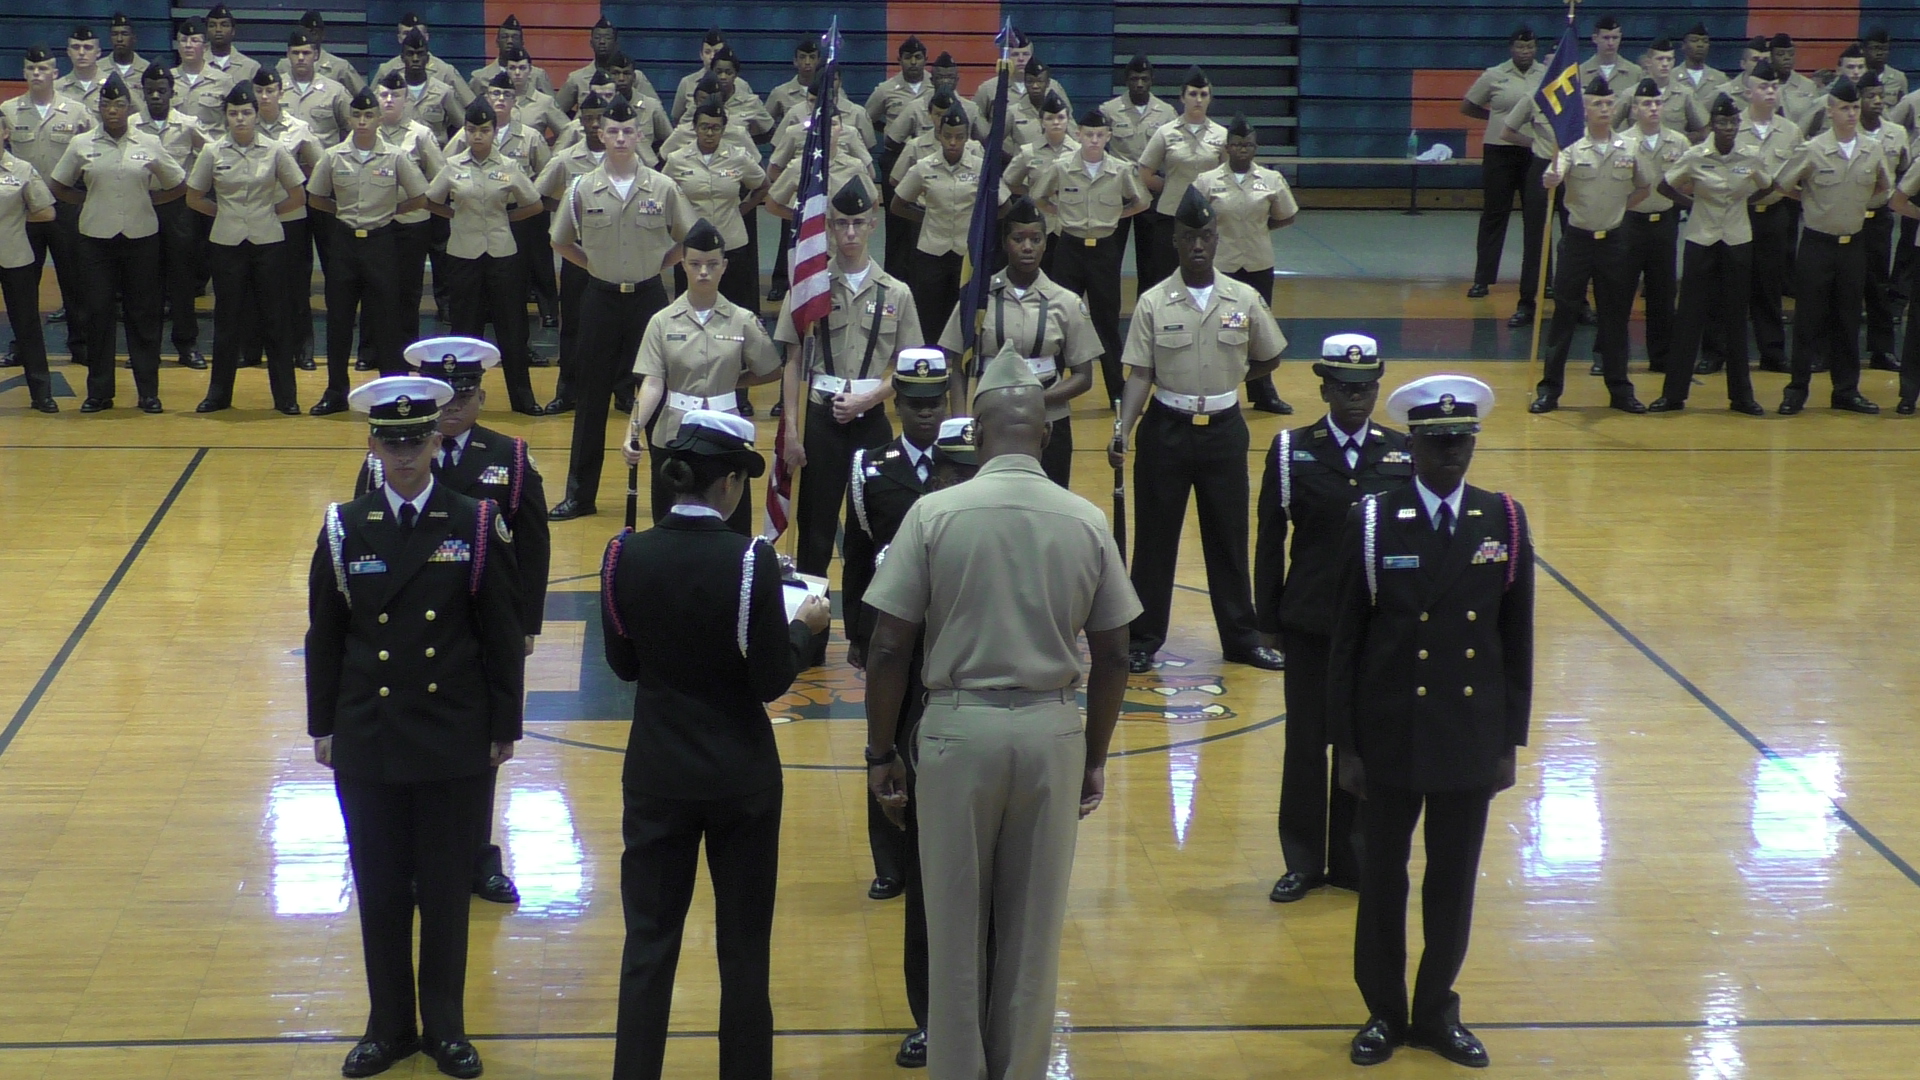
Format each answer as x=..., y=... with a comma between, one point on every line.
x=883, y=759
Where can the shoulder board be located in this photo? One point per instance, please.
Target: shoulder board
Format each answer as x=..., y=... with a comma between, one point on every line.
x=608, y=565
x=336, y=547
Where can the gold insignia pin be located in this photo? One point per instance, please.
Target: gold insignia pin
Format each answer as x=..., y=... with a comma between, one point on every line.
x=403, y=405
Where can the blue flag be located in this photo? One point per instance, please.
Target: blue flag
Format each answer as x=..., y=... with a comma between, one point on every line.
x=983, y=232
x=1559, y=98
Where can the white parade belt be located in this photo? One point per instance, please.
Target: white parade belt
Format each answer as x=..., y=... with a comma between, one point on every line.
x=1044, y=367
x=1197, y=404
x=687, y=402
x=833, y=384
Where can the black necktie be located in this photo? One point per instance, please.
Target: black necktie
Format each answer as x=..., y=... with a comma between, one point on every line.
x=408, y=515
x=1443, y=520
x=920, y=468
x=448, y=450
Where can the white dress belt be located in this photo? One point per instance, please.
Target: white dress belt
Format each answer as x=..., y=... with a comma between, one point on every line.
x=833, y=384
x=1199, y=404
x=727, y=402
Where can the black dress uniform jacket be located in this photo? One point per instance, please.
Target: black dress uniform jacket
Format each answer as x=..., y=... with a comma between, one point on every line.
x=1308, y=485
x=1431, y=678
x=499, y=467
x=883, y=486
x=414, y=649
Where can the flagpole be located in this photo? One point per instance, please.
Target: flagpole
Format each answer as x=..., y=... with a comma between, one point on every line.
x=1546, y=239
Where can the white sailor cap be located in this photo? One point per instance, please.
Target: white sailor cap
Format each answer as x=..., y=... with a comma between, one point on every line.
x=957, y=441
x=1349, y=358
x=1441, y=405
x=461, y=361
x=707, y=433
x=920, y=373
x=401, y=406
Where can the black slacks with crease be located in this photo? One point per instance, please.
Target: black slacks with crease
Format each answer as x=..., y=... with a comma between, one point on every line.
x=1172, y=458
x=536, y=250
x=573, y=293
x=182, y=255
x=249, y=304
x=1319, y=823
x=1877, y=234
x=1057, y=459
x=1652, y=245
x=1153, y=257
x=121, y=274
x=493, y=288
x=823, y=482
x=1506, y=171
x=611, y=323
x=657, y=872
x=1713, y=305
x=1607, y=263
x=1774, y=230
x=363, y=282
x=410, y=244
x=1829, y=282
x=20, y=287
x=1093, y=271
x=934, y=281
x=61, y=236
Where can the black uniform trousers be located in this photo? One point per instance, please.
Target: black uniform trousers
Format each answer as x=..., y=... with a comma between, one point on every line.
x=297, y=296
x=121, y=273
x=1057, y=459
x=823, y=482
x=1175, y=456
x=1093, y=271
x=1652, y=246
x=20, y=287
x=182, y=255
x=573, y=292
x=364, y=281
x=410, y=243
x=913, y=950
x=1830, y=279
x=1910, y=349
x=934, y=281
x=1261, y=282
x=62, y=237
x=249, y=294
x=778, y=279
x=611, y=323
x=536, y=249
x=1506, y=171
x=656, y=884
x=1319, y=823
x=493, y=288
x=1607, y=262
x=1713, y=305
x=439, y=230
x=1877, y=234
x=412, y=845
x=1773, y=237
x=1456, y=825
x=1903, y=253
x=1153, y=257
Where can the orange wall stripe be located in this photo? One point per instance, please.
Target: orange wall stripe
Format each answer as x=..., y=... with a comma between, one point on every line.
x=964, y=29
x=1820, y=28
x=556, y=31
x=1436, y=105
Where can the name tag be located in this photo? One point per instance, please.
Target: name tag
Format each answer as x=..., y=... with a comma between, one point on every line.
x=368, y=565
x=1397, y=457
x=1400, y=562
x=452, y=550
x=1490, y=551
x=495, y=474
x=1303, y=455
x=1407, y=514
x=676, y=337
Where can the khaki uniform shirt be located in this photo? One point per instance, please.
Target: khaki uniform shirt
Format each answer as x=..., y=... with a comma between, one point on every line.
x=119, y=175
x=651, y=120
x=1531, y=128
x=1722, y=184
x=435, y=104
x=326, y=66
x=1026, y=167
x=792, y=137
x=1005, y=570
x=734, y=136
x=366, y=191
x=537, y=110
x=852, y=318
x=1498, y=90
x=1626, y=74
x=438, y=70
x=844, y=167
x=1679, y=110
x=422, y=147
x=1667, y=147
x=574, y=90
x=1179, y=154
x=181, y=136
x=1599, y=178
x=1242, y=206
x=1893, y=85
x=715, y=185
x=482, y=80
x=236, y=65
x=1800, y=99
x=131, y=73
x=480, y=192
x=89, y=94
x=983, y=97
x=701, y=359
x=203, y=96
x=1133, y=127
x=1835, y=189
x=1896, y=143
x=912, y=123
x=1910, y=181
x=22, y=192
x=1063, y=341
x=628, y=239
x=1205, y=352
x=1704, y=85
x=1023, y=124
x=1774, y=148
x=947, y=193
x=519, y=144
x=683, y=94
x=910, y=154
x=41, y=141
x=244, y=183
x=293, y=133
x=1089, y=207
x=896, y=96
x=567, y=166
x=323, y=105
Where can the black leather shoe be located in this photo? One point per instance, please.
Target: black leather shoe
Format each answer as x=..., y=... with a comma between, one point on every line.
x=1456, y=1044
x=371, y=1057
x=1545, y=403
x=362, y=364
x=777, y=291
x=1855, y=403
x=1663, y=404
x=536, y=358
x=329, y=403
x=191, y=358
x=745, y=408
x=1792, y=402
x=885, y=888
x=305, y=363
x=913, y=1051
x=1596, y=369
x=288, y=408
x=150, y=406
x=1705, y=367
x=1905, y=408
x=1374, y=1044
x=1780, y=367
x=1627, y=404
x=1138, y=663
x=59, y=316
x=570, y=509
x=456, y=1057
x=1882, y=362
x=1521, y=317
x=497, y=889
x=10, y=359
x=558, y=406
x=1293, y=885
x=1476, y=292
x=208, y=405
x=1749, y=408
x=1260, y=657
x=48, y=405
x=778, y=408
x=551, y=322
x=1277, y=406
x=95, y=404
x=529, y=407
x=1588, y=317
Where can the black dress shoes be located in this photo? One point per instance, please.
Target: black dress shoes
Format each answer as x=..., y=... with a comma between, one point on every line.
x=913, y=1051
x=305, y=363
x=208, y=405
x=1374, y=1044
x=191, y=358
x=536, y=358
x=151, y=406
x=96, y=404
x=1595, y=369
x=1707, y=367
x=1293, y=885
x=777, y=291
x=1854, y=403
x=1748, y=407
x=1476, y=292
x=551, y=322
x=497, y=889
x=1882, y=362
x=745, y=407
x=1588, y=317
x=570, y=509
x=456, y=1057
x=778, y=408
x=1455, y=1043
x=529, y=407
x=558, y=406
x=48, y=405
x=1665, y=404
x=1792, y=402
x=1138, y=663
x=1627, y=404
x=59, y=316
x=1260, y=657
x=1905, y=408
x=329, y=403
x=1545, y=403
x=1780, y=367
x=10, y=358
x=1274, y=404
x=371, y=1057
x=361, y=363
x=1521, y=317
x=885, y=888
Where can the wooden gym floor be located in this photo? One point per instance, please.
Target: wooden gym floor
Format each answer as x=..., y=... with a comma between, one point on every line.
x=1707, y=869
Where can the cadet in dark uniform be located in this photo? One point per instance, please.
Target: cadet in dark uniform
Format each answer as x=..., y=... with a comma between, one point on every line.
x=1195, y=337
x=481, y=463
x=1314, y=475
x=1093, y=194
x=694, y=614
x=1429, y=687
x=415, y=668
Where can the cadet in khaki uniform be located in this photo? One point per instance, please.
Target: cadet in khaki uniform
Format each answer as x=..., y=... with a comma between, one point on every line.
x=722, y=182
x=1023, y=110
x=200, y=89
x=1047, y=323
x=1774, y=218
x=844, y=405
x=221, y=55
x=790, y=95
x=1879, y=229
x=1902, y=203
x=1800, y=97
x=1094, y=193
x=182, y=250
x=325, y=64
x=603, y=40
x=116, y=175
x=903, y=92
x=1604, y=178
x=1694, y=73
x=567, y=166
x=24, y=202
x=1249, y=202
x=1176, y=153
x=683, y=99
x=1680, y=111
x=1051, y=144
x=651, y=120
x=1606, y=61
x=509, y=38
x=1508, y=167
x=483, y=192
x=244, y=182
x=528, y=149
x=1714, y=182
x=82, y=84
x=937, y=194
x=846, y=163
x=695, y=354
x=42, y=124
x=411, y=25
x=429, y=100
x=747, y=120
x=313, y=97
x=1134, y=116
x=122, y=41
x=1653, y=226
x=1004, y=572
x=306, y=233
x=363, y=184
x=622, y=223
x=1019, y=54
x=532, y=104
x=414, y=229
x=1837, y=175
x=1195, y=337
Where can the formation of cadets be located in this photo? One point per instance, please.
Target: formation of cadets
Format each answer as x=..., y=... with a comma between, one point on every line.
x=1789, y=185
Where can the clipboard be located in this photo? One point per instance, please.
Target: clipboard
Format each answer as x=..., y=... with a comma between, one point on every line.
x=794, y=591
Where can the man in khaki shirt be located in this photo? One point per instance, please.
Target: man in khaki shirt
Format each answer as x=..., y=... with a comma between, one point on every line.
x=622, y=223
x=1024, y=110
x=431, y=101
x=221, y=55
x=723, y=183
x=1606, y=61
x=122, y=54
x=1195, y=337
x=1774, y=218
x=438, y=69
x=1603, y=179
x=82, y=84
x=1694, y=73
x=528, y=149
x=1879, y=229
x=531, y=104
x=182, y=232
x=1249, y=203
x=1836, y=175
x=508, y=38
x=200, y=89
x=1019, y=55
x=43, y=123
x=1800, y=97
x=313, y=97
x=903, y=92
x=1508, y=167
x=1004, y=572
x=568, y=165
x=1094, y=193
x=937, y=194
x=1176, y=153
x=1679, y=109
x=325, y=64
x=1653, y=227
x=1050, y=144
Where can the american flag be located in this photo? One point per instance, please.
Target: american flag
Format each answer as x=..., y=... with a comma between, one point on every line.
x=811, y=297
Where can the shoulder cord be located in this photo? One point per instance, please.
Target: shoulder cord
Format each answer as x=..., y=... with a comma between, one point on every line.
x=376, y=472
x=608, y=566
x=1513, y=538
x=859, y=481
x=519, y=475
x=482, y=525
x=746, y=594
x=1283, y=463
x=336, y=545
x=1370, y=516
